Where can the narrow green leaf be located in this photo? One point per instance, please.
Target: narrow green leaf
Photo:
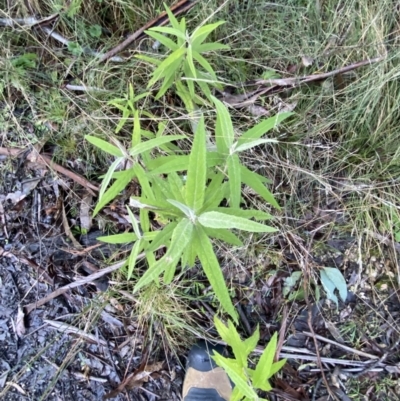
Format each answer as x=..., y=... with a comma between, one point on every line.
x=163, y=69
x=162, y=238
x=207, y=47
x=105, y=146
x=137, y=247
x=147, y=191
x=223, y=220
x=262, y=371
x=277, y=366
x=250, y=343
x=167, y=164
x=119, y=184
x=200, y=34
x=169, y=79
x=144, y=220
x=168, y=43
x=262, y=128
x=246, y=213
x=252, y=144
x=189, y=213
x=124, y=238
x=236, y=374
x=174, y=22
x=180, y=237
x=235, y=188
x=188, y=74
x=224, y=133
x=168, y=30
x=197, y=170
x=136, y=133
x=134, y=223
x=108, y=176
x=152, y=143
x=176, y=185
x=150, y=60
x=253, y=181
x=189, y=59
x=223, y=235
x=205, y=64
x=230, y=335
x=213, y=271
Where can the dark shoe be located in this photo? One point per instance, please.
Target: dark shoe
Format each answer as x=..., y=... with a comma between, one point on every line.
x=204, y=380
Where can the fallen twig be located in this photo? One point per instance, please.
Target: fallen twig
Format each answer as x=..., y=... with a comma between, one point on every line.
x=77, y=283
x=270, y=86
x=345, y=347
x=67, y=328
x=35, y=157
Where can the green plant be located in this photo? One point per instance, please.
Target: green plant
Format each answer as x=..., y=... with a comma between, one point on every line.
x=186, y=56
x=188, y=206
x=331, y=279
x=246, y=379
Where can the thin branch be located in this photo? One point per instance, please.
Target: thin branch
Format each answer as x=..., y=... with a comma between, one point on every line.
x=77, y=283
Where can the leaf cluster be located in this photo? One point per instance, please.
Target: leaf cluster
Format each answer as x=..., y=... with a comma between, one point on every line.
x=246, y=379
x=186, y=58
x=184, y=191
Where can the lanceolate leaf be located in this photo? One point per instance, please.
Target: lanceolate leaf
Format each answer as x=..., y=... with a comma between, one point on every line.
x=222, y=220
x=213, y=271
x=237, y=376
x=119, y=184
x=223, y=235
x=163, y=237
x=235, y=181
x=230, y=335
x=189, y=213
x=206, y=47
x=105, y=146
x=246, y=213
x=164, y=68
x=108, y=176
x=125, y=238
x=200, y=34
x=205, y=64
x=137, y=247
x=224, y=134
x=262, y=128
x=253, y=181
x=169, y=31
x=196, y=176
x=263, y=369
x=180, y=238
x=252, y=144
x=152, y=143
x=167, y=42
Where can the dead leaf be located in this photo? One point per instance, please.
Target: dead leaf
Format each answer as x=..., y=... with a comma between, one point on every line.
x=257, y=111
x=16, y=386
x=135, y=379
x=20, y=328
x=85, y=214
x=307, y=61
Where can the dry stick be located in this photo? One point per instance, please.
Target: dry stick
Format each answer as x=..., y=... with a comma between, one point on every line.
x=46, y=160
x=282, y=333
x=314, y=77
x=180, y=7
x=345, y=347
x=85, y=280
